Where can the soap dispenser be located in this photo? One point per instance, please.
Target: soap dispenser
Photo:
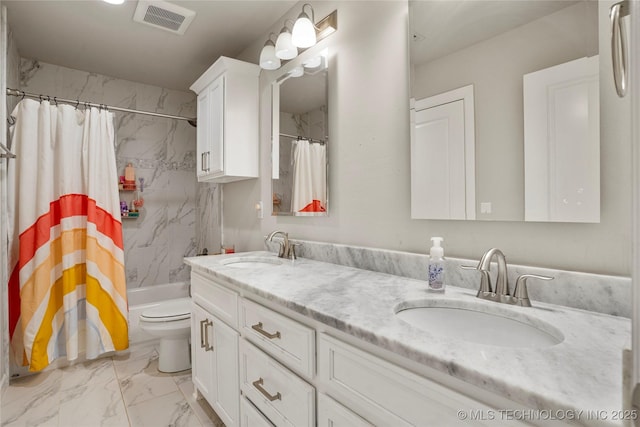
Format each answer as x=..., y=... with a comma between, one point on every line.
x=436, y=266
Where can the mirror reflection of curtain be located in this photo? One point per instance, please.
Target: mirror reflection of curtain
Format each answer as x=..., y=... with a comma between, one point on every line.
x=309, y=178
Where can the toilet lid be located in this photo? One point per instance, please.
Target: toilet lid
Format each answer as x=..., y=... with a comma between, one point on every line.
x=167, y=311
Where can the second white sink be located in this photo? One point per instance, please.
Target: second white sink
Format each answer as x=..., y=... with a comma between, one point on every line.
x=465, y=322
x=251, y=262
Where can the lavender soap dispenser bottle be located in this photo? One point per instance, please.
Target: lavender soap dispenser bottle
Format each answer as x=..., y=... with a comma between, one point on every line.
x=436, y=266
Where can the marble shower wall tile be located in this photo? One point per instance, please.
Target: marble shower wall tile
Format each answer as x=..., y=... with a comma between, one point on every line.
x=208, y=218
x=593, y=292
x=162, y=152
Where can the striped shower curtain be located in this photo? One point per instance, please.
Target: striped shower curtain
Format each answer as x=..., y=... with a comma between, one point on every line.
x=67, y=292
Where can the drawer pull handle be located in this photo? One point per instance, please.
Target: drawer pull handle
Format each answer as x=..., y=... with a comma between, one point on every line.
x=207, y=346
x=258, y=327
x=258, y=384
x=202, y=333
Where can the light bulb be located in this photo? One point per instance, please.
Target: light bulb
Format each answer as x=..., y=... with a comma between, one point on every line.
x=284, y=47
x=268, y=58
x=304, y=33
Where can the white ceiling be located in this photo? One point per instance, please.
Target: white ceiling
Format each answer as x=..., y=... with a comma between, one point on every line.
x=94, y=36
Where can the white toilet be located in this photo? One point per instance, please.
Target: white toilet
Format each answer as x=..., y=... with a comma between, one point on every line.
x=171, y=322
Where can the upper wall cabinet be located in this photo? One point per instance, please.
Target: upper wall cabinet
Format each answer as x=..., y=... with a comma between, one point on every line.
x=227, y=138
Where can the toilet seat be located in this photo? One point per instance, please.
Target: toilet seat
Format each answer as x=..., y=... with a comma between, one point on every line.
x=168, y=311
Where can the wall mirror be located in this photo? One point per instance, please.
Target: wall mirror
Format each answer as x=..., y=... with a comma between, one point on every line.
x=533, y=69
x=299, y=140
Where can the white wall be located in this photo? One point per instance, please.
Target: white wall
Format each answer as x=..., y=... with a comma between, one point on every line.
x=369, y=161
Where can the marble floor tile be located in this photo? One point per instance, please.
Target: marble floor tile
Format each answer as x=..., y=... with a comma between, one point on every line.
x=97, y=371
x=122, y=390
x=31, y=406
x=200, y=407
x=93, y=404
x=169, y=410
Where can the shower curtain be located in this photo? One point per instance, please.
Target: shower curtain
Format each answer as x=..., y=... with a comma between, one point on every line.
x=309, y=178
x=67, y=291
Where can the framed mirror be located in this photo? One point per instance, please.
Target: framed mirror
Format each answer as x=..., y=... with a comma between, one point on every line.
x=300, y=140
x=533, y=69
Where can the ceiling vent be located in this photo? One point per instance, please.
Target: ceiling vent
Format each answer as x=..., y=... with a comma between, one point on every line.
x=164, y=15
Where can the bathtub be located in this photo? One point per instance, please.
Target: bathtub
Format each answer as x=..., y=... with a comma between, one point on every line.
x=143, y=298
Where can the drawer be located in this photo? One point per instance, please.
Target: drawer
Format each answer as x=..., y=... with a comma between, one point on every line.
x=215, y=298
x=388, y=394
x=250, y=416
x=278, y=393
x=290, y=342
x=333, y=414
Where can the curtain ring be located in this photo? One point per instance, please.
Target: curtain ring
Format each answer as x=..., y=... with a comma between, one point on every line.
x=55, y=100
x=48, y=98
x=40, y=96
x=77, y=103
x=23, y=95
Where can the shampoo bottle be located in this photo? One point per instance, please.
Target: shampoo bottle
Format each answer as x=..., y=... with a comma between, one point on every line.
x=436, y=266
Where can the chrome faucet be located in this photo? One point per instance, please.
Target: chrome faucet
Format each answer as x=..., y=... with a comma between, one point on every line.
x=501, y=294
x=287, y=249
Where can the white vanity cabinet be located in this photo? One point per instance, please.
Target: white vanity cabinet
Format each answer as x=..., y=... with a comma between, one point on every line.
x=214, y=350
x=267, y=371
x=227, y=135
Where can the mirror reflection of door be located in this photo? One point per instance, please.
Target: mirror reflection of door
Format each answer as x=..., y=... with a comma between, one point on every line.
x=443, y=156
x=299, y=154
x=562, y=142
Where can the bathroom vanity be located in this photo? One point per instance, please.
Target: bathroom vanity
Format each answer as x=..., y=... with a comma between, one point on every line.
x=300, y=343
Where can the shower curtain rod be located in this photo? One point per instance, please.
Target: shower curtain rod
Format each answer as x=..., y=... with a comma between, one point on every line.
x=298, y=137
x=14, y=92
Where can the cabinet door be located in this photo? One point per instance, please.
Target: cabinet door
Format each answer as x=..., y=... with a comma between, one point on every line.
x=210, y=137
x=201, y=351
x=215, y=364
x=226, y=387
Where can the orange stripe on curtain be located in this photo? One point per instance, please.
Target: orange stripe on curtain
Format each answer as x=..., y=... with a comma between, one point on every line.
x=75, y=239
x=67, y=206
x=71, y=240
x=39, y=234
x=67, y=283
x=96, y=296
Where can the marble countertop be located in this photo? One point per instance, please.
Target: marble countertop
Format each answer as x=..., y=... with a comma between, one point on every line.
x=582, y=373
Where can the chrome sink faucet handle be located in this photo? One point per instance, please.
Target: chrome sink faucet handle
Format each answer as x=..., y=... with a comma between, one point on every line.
x=285, y=247
x=520, y=294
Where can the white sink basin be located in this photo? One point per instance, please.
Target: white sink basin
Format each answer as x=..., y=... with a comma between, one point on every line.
x=251, y=262
x=483, y=325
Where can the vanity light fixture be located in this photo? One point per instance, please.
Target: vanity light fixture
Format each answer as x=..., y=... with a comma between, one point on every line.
x=284, y=46
x=304, y=34
x=268, y=58
x=114, y=1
